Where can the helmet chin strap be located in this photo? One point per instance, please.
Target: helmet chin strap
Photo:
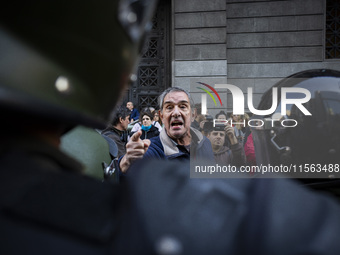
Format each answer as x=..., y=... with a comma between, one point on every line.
x=277, y=147
x=285, y=151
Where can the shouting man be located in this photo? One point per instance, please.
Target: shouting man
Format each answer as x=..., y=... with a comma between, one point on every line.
x=177, y=139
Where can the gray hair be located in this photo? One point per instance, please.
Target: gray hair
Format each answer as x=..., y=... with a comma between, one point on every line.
x=175, y=89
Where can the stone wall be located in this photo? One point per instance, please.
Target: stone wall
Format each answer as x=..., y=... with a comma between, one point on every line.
x=246, y=43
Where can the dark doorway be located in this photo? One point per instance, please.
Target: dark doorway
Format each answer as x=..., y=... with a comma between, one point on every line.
x=154, y=73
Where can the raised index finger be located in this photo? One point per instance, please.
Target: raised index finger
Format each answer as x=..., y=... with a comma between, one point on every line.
x=136, y=136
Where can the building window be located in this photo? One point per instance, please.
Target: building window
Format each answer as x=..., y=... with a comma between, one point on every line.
x=332, y=29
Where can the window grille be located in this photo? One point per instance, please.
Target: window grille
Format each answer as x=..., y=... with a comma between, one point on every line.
x=332, y=49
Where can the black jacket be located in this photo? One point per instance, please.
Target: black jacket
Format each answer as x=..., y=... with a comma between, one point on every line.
x=48, y=207
x=152, y=132
x=119, y=137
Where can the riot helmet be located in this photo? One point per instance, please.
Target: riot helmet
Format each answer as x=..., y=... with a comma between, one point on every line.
x=306, y=129
x=69, y=64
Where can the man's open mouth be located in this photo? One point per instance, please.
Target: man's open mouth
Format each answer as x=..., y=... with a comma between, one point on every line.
x=176, y=123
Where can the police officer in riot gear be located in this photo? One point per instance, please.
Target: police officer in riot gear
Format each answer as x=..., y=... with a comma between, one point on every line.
x=309, y=144
x=63, y=64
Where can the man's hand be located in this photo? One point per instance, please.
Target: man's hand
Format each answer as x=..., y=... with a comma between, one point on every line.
x=231, y=134
x=135, y=149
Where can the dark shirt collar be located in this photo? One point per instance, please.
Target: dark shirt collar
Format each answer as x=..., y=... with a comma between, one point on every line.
x=186, y=148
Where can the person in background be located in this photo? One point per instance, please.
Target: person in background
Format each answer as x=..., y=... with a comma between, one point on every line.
x=224, y=155
x=134, y=113
x=241, y=127
x=206, y=124
x=157, y=119
x=248, y=144
x=234, y=118
x=199, y=117
x=249, y=150
x=138, y=125
x=148, y=129
x=117, y=129
x=221, y=116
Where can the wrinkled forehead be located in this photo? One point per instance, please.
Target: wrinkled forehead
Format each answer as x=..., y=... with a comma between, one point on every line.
x=176, y=97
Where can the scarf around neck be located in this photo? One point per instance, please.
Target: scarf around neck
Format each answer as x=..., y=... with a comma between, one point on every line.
x=146, y=128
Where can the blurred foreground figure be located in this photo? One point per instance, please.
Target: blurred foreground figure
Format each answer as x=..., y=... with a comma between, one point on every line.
x=303, y=133
x=64, y=64
x=232, y=216
x=306, y=136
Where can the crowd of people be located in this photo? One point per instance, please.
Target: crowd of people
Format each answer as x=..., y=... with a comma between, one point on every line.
x=233, y=131
x=127, y=120
x=62, y=67
x=228, y=135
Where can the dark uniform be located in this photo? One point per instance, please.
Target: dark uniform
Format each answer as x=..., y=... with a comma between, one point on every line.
x=63, y=64
x=312, y=146
x=47, y=206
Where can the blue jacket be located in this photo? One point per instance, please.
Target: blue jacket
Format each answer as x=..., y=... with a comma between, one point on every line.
x=134, y=114
x=162, y=147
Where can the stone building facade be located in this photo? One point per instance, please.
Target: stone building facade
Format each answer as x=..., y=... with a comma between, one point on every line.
x=241, y=42
x=247, y=43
